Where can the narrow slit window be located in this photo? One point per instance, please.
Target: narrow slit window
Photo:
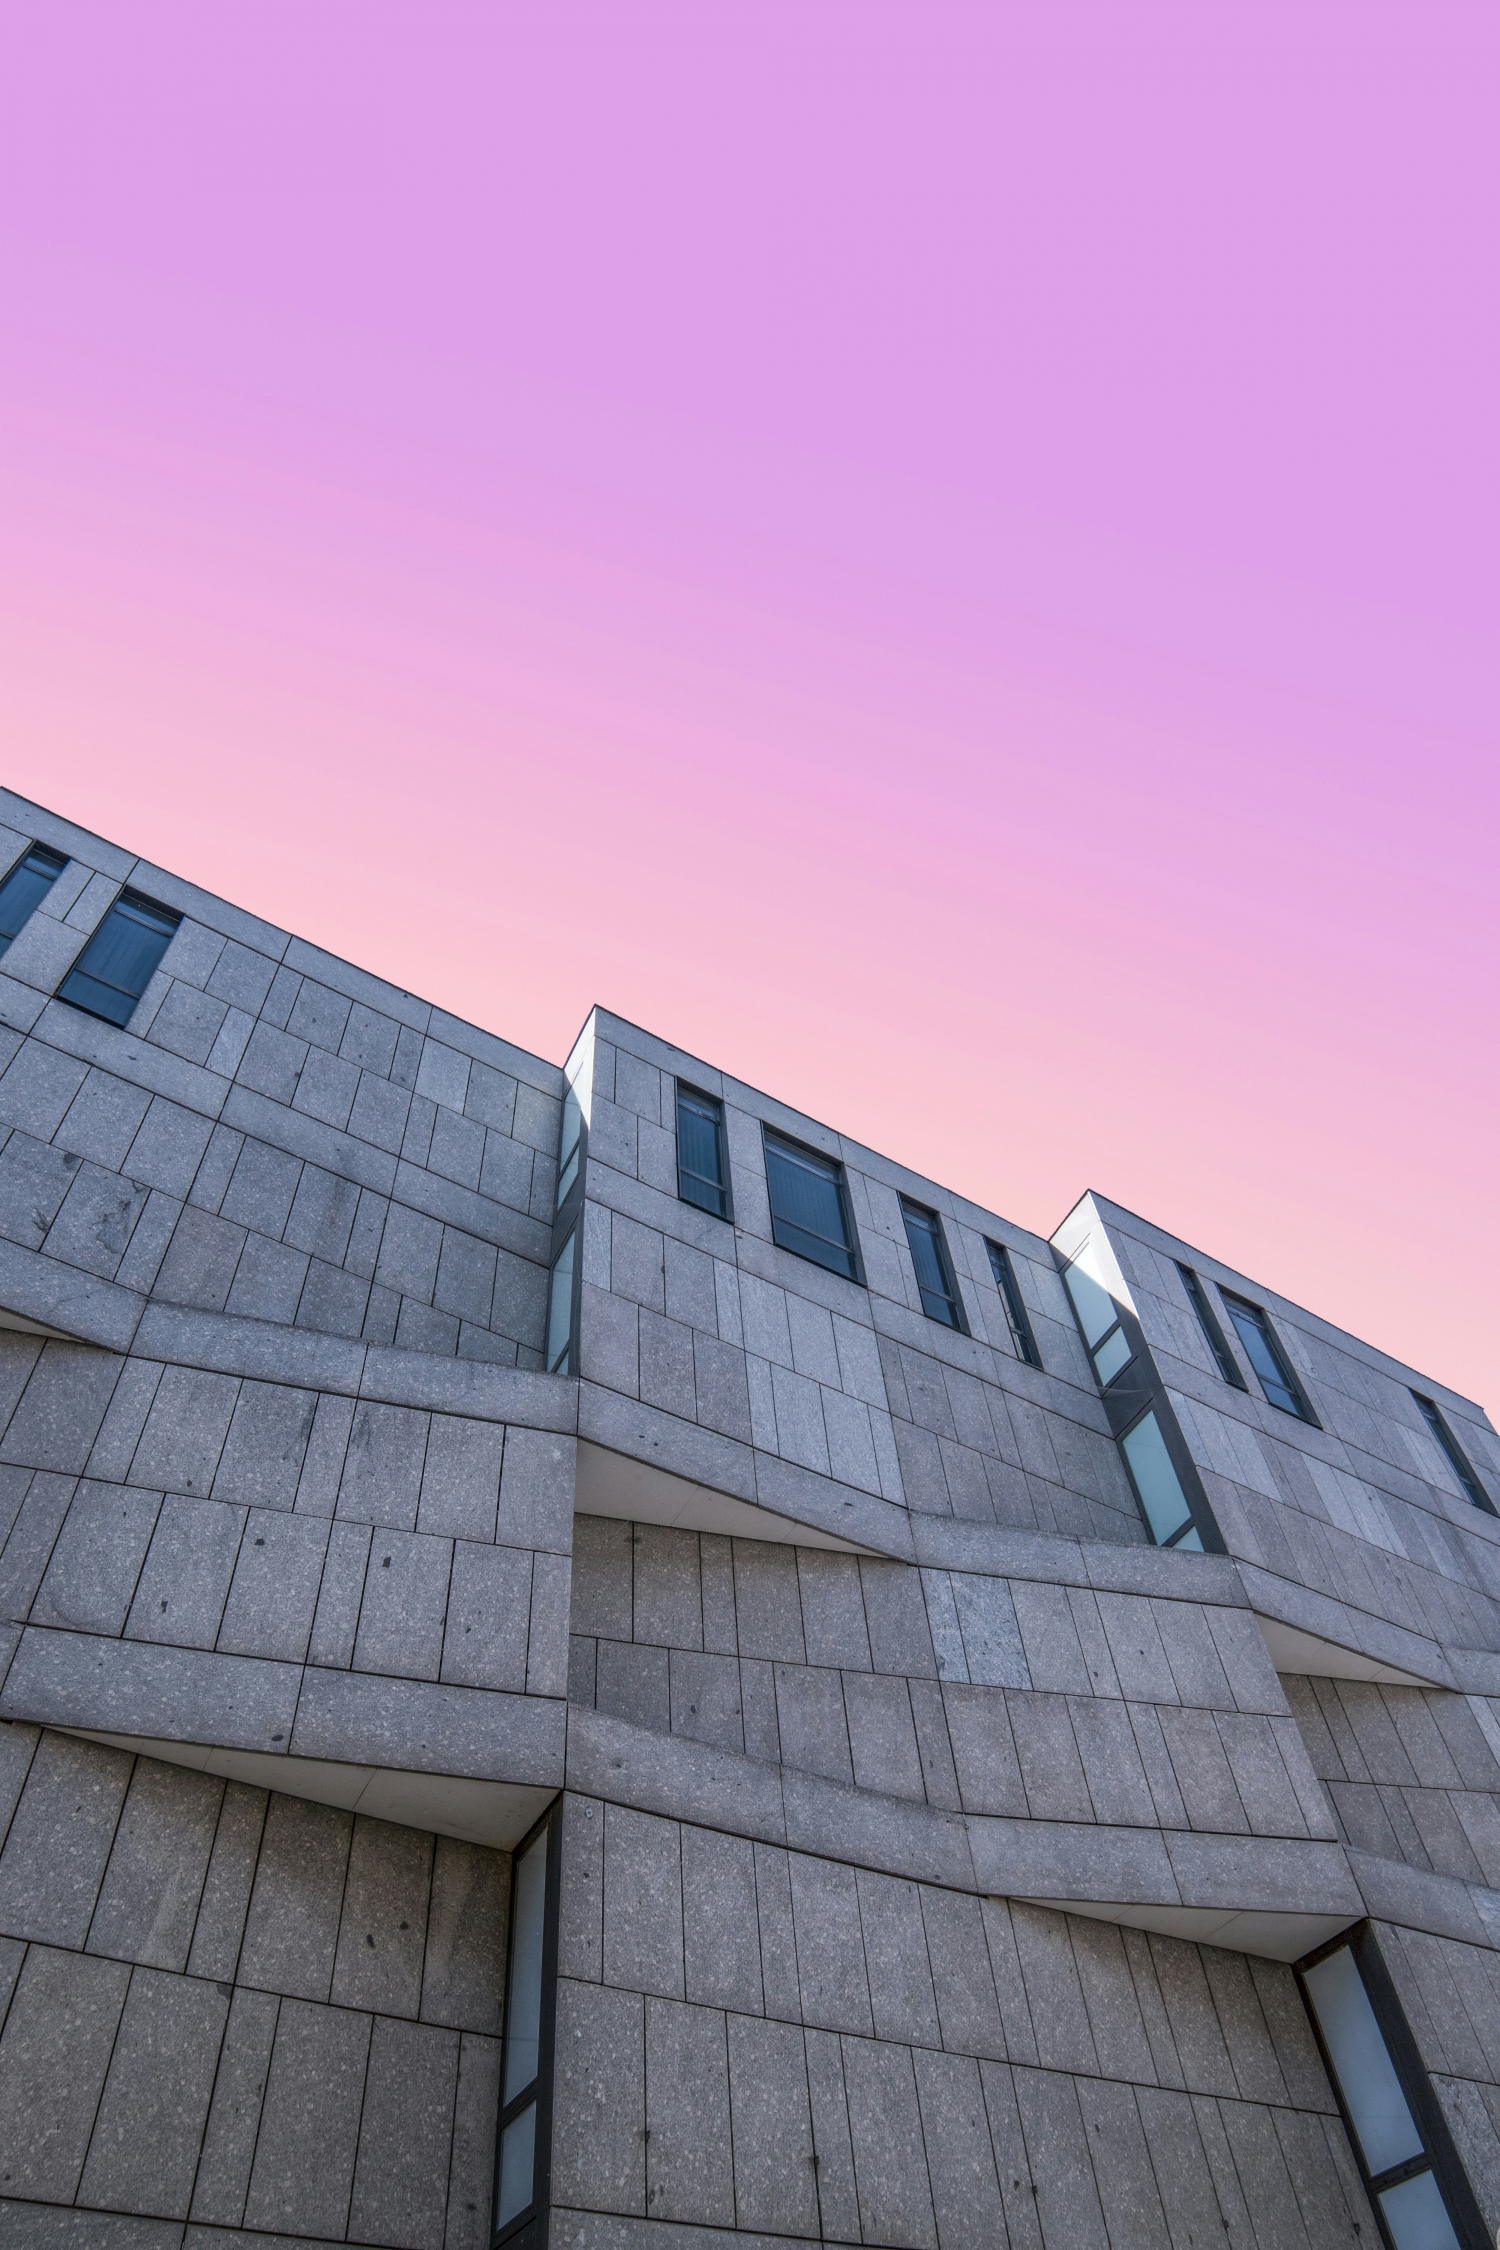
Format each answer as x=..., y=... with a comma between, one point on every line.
x=702, y=1168
x=1266, y=1356
x=25, y=887
x=120, y=958
x=1110, y=1347
x=1158, y=1487
x=520, y=2174
x=810, y=1206
x=1398, y=2160
x=929, y=1255
x=1021, y=1334
x=569, y=1146
x=1458, y=1461
x=560, y=1310
x=1213, y=1334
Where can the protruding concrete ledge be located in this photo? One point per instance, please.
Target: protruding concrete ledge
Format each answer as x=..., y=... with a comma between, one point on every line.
x=1442, y=1905
x=363, y=1718
x=1353, y=1630
x=628, y=1765
x=496, y=1813
x=1293, y=1650
x=50, y=1299
x=612, y=1484
x=944, y=1543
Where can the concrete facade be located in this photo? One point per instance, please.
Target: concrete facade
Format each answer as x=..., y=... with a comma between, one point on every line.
x=931, y=1855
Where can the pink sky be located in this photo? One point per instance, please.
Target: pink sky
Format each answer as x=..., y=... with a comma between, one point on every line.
x=944, y=558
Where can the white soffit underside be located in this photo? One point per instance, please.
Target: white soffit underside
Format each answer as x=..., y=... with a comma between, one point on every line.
x=1272, y=1936
x=1293, y=1650
x=495, y=1813
x=612, y=1484
x=18, y=1323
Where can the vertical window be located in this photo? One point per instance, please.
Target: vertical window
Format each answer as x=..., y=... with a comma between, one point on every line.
x=1157, y=1485
x=1267, y=1358
x=526, y=2067
x=1015, y=1311
x=1458, y=1460
x=1213, y=1334
x=929, y=1254
x=1400, y=2162
x=120, y=958
x=25, y=887
x=702, y=1166
x=569, y=1145
x=1099, y=1317
x=560, y=1310
x=810, y=1206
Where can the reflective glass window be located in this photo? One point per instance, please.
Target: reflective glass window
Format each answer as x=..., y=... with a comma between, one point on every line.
x=1157, y=1483
x=570, y=1145
x=1417, y=2216
x=560, y=1310
x=1457, y=1459
x=120, y=958
x=517, y=2166
x=1266, y=1357
x=1361, y=2062
x=523, y=1999
x=702, y=1171
x=1021, y=1332
x=929, y=1255
x=809, y=1207
x=1096, y=1309
x=25, y=887
x=1113, y=1354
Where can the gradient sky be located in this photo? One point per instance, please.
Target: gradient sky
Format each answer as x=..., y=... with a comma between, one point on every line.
x=942, y=557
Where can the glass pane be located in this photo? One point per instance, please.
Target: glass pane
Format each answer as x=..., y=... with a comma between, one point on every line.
x=124, y=950
x=1192, y=1541
x=99, y=999
x=1415, y=2214
x=569, y=1146
x=698, y=1139
x=1155, y=1478
x=807, y=1207
x=517, y=2167
x=1262, y=1357
x=1362, y=2063
x=1112, y=1356
x=20, y=892
x=927, y=1257
x=560, y=1307
x=1094, y=1306
x=523, y=2000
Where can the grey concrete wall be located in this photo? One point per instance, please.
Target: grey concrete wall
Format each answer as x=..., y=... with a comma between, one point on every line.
x=237, y=2010
x=768, y=2040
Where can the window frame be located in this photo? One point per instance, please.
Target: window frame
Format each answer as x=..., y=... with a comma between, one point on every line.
x=1166, y=1429
x=529, y=2226
x=930, y=1222
x=35, y=849
x=1022, y=1334
x=1458, y=1461
x=683, y=1086
x=1214, y=1336
x=575, y=1155
x=128, y=899
x=1121, y=1326
x=1303, y=1410
x=1439, y=2155
x=773, y=1137
x=572, y=1240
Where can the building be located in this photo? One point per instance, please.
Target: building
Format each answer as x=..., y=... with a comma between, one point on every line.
x=945, y=1738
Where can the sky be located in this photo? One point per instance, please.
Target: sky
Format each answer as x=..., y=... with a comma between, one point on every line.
x=942, y=558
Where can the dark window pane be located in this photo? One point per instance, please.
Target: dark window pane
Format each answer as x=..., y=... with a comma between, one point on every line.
x=807, y=1207
x=24, y=887
x=1458, y=1460
x=1015, y=1310
x=700, y=1151
x=1213, y=1334
x=1264, y=1356
x=560, y=1310
x=929, y=1256
x=120, y=958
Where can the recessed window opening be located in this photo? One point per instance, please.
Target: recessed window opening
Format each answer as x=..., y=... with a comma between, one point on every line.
x=702, y=1166
x=1213, y=1334
x=25, y=887
x=1021, y=1334
x=569, y=1145
x=1458, y=1461
x=559, y=1354
x=929, y=1254
x=1267, y=1358
x=120, y=958
x=520, y=2174
x=1394, y=2155
x=1099, y=1317
x=810, y=1205
x=1158, y=1487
